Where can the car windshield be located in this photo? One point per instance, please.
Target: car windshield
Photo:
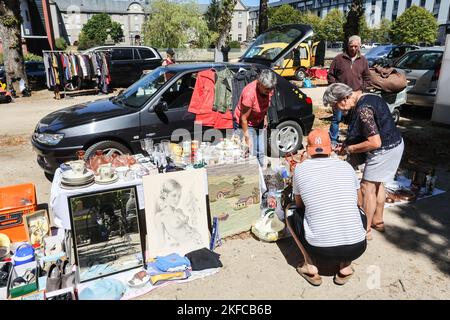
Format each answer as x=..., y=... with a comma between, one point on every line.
x=143, y=90
x=425, y=60
x=378, y=51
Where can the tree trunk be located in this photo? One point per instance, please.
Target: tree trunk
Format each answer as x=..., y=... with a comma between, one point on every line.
x=263, y=16
x=10, y=22
x=224, y=26
x=351, y=26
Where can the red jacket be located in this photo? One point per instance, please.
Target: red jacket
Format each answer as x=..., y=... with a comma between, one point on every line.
x=203, y=98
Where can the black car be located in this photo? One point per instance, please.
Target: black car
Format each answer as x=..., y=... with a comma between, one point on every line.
x=35, y=72
x=387, y=55
x=157, y=106
x=128, y=63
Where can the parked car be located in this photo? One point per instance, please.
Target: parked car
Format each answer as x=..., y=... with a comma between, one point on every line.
x=129, y=62
x=294, y=65
x=387, y=54
x=422, y=68
x=35, y=72
x=156, y=105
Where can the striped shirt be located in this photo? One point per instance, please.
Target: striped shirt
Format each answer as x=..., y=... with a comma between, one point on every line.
x=328, y=188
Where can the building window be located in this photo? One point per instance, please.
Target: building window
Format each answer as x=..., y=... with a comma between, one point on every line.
x=136, y=17
x=383, y=9
x=408, y=3
x=240, y=14
x=395, y=7
x=422, y=3
x=239, y=25
x=27, y=15
x=136, y=27
x=239, y=37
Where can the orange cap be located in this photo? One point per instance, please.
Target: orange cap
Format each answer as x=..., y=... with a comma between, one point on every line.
x=318, y=142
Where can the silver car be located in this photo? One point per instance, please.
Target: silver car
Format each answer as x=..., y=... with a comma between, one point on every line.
x=422, y=68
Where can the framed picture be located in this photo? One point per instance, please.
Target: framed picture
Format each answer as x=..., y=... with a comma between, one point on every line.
x=37, y=225
x=176, y=212
x=105, y=232
x=234, y=196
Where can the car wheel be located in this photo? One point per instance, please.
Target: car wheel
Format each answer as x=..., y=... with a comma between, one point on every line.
x=300, y=74
x=287, y=137
x=109, y=147
x=396, y=115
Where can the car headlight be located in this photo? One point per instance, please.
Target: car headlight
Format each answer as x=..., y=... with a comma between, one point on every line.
x=50, y=139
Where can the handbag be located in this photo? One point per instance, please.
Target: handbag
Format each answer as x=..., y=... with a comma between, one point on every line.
x=387, y=80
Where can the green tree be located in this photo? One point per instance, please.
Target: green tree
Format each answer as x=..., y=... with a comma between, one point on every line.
x=263, y=22
x=353, y=23
x=175, y=24
x=312, y=20
x=61, y=44
x=10, y=22
x=364, y=30
x=116, y=32
x=414, y=26
x=238, y=182
x=284, y=14
x=381, y=33
x=212, y=15
x=96, y=31
x=224, y=22
x=331, y=27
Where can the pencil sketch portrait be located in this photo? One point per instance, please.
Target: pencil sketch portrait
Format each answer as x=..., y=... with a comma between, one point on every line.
x=176, y=214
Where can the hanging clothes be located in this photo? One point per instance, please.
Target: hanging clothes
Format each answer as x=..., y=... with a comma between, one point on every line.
x=202, y=99
x=223, y=91
x=240, y=80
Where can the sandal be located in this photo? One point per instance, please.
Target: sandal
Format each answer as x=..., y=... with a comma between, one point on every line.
x=314, y=280
x=341, y=279
x=139, y=279
x=379, y=227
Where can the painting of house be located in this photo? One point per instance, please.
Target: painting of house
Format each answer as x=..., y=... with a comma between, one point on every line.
x=234, y=190
x=222, y=194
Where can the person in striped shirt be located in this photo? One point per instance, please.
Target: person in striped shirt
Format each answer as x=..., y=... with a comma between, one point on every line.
x=328, y=221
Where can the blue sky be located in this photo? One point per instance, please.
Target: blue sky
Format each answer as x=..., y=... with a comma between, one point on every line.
x=246, y=2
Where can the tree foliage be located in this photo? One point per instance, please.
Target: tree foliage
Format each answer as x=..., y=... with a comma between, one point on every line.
x=61, y=44
x=224, y=22
x=96, y=31
x=263, y=22
x=331, y=27
x=353, y=23
x=212, y=15
x=414, y=26
x=364, y=31
x=175, y=24
x=284, y=14
x=312, y=20
x=381, y=33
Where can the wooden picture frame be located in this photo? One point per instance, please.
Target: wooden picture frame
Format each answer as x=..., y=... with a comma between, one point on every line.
x=106, y=233
x=37, y=226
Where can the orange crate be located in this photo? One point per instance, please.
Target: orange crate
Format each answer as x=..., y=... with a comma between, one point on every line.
x=15, y=202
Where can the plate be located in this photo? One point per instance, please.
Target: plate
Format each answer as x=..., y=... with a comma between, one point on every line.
x=68, y=187
x=69, y=175
x=77, y=183
x=113, y=179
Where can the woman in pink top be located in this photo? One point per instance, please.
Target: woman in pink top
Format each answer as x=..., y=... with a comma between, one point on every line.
x=170, y=59
x=250, y=115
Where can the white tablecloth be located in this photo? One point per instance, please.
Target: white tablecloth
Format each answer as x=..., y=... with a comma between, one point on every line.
x=59, y=204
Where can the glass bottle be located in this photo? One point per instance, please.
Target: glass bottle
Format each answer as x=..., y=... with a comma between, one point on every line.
x=270, y=178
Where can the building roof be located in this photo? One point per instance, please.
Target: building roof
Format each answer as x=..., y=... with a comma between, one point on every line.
x=110, y=6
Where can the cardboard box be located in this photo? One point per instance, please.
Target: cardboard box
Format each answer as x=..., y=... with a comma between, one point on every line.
x=19, y=271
